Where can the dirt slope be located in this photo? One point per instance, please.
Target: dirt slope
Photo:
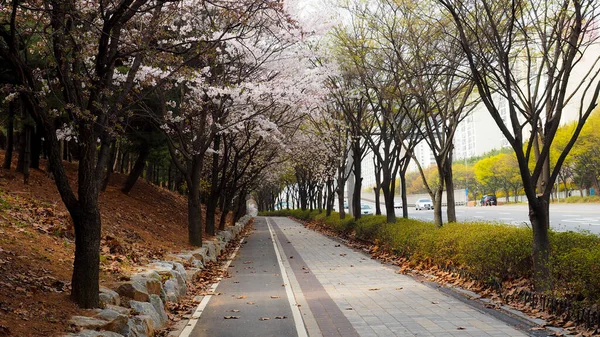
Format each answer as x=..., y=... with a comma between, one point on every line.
x=36, y=245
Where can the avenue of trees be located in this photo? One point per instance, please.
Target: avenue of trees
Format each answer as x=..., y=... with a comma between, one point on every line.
x=224, y=99
x=199, y=97
x=411, y=73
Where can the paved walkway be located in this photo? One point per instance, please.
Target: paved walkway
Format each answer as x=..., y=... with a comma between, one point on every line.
x=338, y=291
x=379, y=302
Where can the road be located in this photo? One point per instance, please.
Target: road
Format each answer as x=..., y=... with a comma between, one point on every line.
x=563, y=217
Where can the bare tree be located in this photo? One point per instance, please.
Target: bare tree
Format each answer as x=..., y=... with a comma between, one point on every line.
x=433, y=66
x=523, y=55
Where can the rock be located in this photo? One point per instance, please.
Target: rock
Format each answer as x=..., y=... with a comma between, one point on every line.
x=134, y=289
x=140, y=326
x=106, y=319
x=109, y=296
x=85, y=322
x=179, y=268
x=115, y=321
x=141, y=285
x=201, y=254
x=92, y=333
x=172, y=290
x=152, y=279
x=192, y=273
x=121, y=310
x=160, y=309
x=225, y=236
x=145, y=308
x=211, y=251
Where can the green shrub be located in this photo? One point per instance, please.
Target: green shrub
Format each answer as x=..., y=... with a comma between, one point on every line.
x=577, y=272
x=579, y=199
x=369, y=228
x=344, y=227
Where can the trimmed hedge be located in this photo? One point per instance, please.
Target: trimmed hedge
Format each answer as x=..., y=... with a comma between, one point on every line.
x=579, y=200
x=489, y=252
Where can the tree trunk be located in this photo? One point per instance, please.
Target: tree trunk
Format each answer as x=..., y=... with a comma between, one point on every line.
x=138, y=168
x=27, y=154
x=10, y=135
x=437, y=207
x=539, y=211
x=388, y=195
x=340, y=193
x=330, y=197
x=377, y=188
x=85, y=280
x=449, y=182
x=403, y=193
x=36, y=146
x=110, y=165
x=211, y=203
x=357, y=179
x=22, y=144
x=150, y=172
x=194, y=208
x=319, y=200
x=240, y=209
x=376, y=191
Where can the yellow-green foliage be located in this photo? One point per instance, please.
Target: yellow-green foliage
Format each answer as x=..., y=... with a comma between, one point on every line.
x=579, y=200
x=369, y=228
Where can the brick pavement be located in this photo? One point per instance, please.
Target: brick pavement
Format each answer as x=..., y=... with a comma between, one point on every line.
x=376, y=300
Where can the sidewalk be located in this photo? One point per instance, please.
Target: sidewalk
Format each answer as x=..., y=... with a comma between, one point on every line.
x=376, y=300
x=323, y=288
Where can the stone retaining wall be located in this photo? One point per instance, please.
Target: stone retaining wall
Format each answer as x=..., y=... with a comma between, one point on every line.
x=137, y=307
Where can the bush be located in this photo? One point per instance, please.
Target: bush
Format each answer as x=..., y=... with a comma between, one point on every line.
x=579, y=199
x=369, y=228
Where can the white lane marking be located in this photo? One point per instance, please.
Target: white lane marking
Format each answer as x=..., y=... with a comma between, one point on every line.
x=583, y=221
x=300, y=328
x=196, y=316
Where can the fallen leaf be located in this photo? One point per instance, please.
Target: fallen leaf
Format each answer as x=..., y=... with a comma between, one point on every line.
x=241, y=297
x=399, y=288
x=231, y=317
x=461, y=328
x=234, y=310
x=374, y=289
x=264, y=318
x=435, y=302
x=275, y=297
x=280, y=317
x=251, y=303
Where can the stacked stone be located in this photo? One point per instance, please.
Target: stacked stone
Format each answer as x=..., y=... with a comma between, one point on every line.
x=137, y=307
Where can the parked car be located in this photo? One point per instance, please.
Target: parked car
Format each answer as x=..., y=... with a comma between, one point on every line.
x=366, y=209
x=489, y=200
x=397, y=204
x=423, y=204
